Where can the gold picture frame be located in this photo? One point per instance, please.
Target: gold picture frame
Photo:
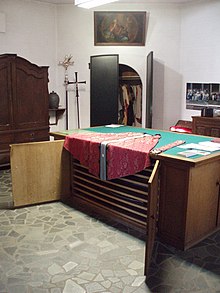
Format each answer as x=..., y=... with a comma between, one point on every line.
x=119, y=28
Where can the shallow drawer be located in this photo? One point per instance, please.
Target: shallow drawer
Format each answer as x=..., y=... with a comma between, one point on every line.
x=4, y=157
x=6, y=138
x=29, y=136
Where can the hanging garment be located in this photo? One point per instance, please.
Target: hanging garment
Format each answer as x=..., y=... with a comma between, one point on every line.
x=125, y=104
x=138, y=104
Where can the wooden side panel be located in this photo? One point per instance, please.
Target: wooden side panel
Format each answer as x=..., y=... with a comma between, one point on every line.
x=153, y=194
x=173, y=203
x=40, y=172
x=203, y=200
x=218, y=212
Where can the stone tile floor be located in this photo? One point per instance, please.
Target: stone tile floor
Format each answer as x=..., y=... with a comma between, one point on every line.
x=53, y=248
x=5, y=189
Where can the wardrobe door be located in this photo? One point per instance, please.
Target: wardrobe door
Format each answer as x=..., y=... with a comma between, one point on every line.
x=104, y=83
x=5, y=94
x=30, y=96
x=149, y=90
x=152, y=215
x=6, y=117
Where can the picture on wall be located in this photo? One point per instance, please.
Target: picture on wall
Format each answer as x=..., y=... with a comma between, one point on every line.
x=120, y=28
x=202, y=95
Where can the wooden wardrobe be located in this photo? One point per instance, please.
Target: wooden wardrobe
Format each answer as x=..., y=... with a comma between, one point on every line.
x=106, y=79
x=23, y=103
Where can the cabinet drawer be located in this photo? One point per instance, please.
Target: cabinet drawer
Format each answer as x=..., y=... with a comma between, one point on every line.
x=4, y=158
x=215, y=132
x=209, y=126
x=30, y=136
x=202, y=130
x=6, y=138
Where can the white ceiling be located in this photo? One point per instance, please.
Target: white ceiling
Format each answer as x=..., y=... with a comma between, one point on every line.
x=122, y=1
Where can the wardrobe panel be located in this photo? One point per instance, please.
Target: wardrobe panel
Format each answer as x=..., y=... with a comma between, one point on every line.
x=149, y=90
x=104, y=89
x=5, y=95
x=30, y=95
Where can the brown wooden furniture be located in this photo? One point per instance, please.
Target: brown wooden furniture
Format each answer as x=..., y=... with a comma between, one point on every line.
x=189, y=190
x=23, y=103
x=206, y=125
x=189, y=199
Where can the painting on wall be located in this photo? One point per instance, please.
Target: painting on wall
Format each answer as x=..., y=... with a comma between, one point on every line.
x=118, y=28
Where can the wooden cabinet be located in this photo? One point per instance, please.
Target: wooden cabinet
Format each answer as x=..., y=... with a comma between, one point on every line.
x=189, y=200
x=206, y=126
x=23, y=103
x=189, y=204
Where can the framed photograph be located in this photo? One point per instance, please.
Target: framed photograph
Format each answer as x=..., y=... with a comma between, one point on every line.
x=202, y=95
x=119, y=28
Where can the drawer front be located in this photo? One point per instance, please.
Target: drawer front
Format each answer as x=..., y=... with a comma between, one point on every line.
x=201, y=130
x=215, y=132
x=5, y=140
x=4, y=157
x=209, y=126
x=31, y=136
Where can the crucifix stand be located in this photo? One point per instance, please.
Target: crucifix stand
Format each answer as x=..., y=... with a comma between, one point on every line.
x=76, y=82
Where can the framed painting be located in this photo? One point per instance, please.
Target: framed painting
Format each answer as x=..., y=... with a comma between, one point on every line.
x=119, y=28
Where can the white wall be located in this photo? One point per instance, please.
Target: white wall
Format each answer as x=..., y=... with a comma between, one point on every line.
x=76, y=37
x=200, y=47
x=30, y=32
x=184, y=39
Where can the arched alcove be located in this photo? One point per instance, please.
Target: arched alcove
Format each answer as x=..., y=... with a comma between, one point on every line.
x=106, y=78
x=130, y=87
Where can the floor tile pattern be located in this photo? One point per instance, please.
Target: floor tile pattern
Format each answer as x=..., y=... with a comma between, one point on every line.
x=5, y=189
x=53, y=248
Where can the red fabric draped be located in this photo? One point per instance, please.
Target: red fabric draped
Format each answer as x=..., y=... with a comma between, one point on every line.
x=127, y=153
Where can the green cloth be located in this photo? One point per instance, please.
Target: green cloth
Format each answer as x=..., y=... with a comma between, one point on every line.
x=167, y=137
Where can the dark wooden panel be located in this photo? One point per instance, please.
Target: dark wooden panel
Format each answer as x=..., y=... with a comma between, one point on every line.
x=149, y=90
x=104, y=89
x=30, y=94
x=5, y=95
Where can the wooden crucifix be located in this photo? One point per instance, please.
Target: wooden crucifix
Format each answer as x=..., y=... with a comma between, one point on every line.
x=76, y=82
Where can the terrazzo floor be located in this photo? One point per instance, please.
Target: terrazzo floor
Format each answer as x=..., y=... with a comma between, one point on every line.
x=53, y=248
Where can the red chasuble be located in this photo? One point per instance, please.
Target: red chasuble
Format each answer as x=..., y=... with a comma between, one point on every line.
x=110, y=155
